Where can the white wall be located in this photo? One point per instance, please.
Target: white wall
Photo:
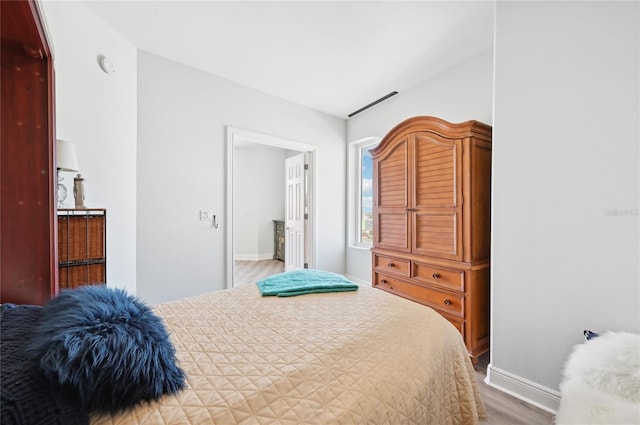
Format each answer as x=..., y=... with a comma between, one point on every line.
x=182, y=114
x=459, y=94
x=565, y=185
x=259, y=196
x=98, y=112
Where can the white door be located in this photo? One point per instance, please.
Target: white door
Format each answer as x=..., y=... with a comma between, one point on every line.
x=294, y=214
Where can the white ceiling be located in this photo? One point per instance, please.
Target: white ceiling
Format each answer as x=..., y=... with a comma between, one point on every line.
x=332, y=56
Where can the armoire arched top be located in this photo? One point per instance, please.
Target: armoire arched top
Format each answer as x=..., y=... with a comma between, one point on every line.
x=434, y=125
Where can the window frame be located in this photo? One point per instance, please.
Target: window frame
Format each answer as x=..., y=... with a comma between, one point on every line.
x=355, y=204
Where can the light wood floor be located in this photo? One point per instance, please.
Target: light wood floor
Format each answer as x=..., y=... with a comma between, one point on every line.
x=502, y=409
x=249, y=272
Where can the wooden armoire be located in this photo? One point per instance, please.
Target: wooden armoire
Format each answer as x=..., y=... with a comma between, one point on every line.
x=432, y=220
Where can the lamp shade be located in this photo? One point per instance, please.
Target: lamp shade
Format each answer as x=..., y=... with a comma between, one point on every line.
x=66, y=159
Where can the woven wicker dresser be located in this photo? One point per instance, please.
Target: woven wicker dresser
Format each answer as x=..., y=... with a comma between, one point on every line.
x=82, y=254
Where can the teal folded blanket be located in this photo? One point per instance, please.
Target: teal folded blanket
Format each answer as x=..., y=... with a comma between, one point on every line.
x=300, y=282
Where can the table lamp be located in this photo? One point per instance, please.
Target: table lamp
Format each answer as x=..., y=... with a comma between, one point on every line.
x=66, y=160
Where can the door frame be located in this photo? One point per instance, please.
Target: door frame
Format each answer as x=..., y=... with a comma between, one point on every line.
x=236, y=136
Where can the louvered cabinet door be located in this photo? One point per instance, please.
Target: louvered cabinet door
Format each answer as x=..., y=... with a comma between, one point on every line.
x=437, y=196
x=392, y=227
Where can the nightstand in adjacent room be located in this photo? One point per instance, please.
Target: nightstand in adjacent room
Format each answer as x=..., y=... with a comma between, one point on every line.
x=278, y=240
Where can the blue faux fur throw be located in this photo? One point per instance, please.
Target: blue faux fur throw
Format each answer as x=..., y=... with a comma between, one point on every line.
x=108, y=346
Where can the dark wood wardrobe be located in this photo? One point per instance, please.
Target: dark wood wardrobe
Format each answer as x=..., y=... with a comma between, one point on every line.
x=28, y=251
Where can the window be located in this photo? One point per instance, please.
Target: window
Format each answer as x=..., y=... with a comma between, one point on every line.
x=364, y=192
x=366, y=195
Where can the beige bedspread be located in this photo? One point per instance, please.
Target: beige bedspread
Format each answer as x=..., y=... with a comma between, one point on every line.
x=364, y=357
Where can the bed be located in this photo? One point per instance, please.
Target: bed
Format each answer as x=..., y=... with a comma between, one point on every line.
x=363, y=357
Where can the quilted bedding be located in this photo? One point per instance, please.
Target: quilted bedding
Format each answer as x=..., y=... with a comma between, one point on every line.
x=364, y=357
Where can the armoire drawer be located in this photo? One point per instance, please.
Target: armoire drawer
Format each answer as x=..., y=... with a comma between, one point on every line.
x=452, y=304
x=398, y=266
x=448, y=278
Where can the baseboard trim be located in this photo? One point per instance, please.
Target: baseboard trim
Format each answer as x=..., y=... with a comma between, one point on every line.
x=358, y=281
x=523, y=389
x=253, y=257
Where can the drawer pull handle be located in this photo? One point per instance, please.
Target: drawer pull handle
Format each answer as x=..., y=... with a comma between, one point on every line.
x=390, y=264
x=447, y=301
x=383, y=281
x=436, y=276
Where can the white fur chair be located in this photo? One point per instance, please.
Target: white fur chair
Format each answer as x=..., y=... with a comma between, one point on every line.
x=601, y=382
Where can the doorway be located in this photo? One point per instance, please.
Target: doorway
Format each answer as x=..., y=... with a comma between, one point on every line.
x=239, y=140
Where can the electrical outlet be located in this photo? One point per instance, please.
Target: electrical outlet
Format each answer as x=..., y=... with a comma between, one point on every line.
x=206, y=215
